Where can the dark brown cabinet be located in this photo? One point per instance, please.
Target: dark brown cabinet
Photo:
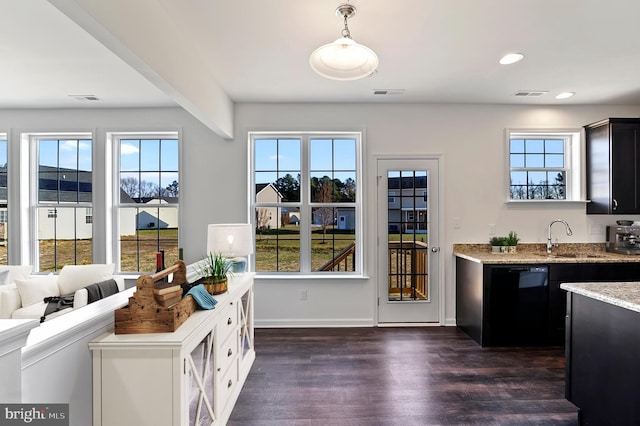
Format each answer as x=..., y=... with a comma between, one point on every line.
x=574, y=273
x=613, y=166
x=495, y=309
x=602, y=351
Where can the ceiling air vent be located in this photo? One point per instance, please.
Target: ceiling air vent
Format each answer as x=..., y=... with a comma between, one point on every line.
x=530, y=93
x=388, y=91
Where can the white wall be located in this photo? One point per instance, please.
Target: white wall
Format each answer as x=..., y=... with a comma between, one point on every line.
x=203, y=193
x=470, y=138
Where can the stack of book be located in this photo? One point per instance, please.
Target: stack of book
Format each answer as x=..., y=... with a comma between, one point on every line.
x=167, y=293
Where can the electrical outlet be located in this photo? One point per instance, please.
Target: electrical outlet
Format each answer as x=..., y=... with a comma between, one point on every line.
x=597, y=229
x=492, y=229
x=456, y=223
x=303, y=294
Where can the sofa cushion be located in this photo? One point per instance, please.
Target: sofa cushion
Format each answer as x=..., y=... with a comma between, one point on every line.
x=16, y=272
x=34, y=290
x=75, y=277
x=4, y=277
x=9, y=300
x=81, y=297
x=36, y=311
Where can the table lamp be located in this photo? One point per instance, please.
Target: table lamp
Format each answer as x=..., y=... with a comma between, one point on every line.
x=234, y=241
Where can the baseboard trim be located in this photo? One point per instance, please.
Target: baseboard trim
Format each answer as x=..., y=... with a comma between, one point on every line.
x=312, y=323
x=409, y=324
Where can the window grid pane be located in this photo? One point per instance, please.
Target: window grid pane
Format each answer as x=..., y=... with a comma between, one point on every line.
x=3, y=200
x=64, y=193
x=149, y=201
x=537, y=168
x=310, y=228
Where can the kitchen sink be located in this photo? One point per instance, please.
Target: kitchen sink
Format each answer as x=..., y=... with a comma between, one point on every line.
x=576, y=255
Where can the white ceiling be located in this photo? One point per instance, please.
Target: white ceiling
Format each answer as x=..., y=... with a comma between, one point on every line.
x=435, y=50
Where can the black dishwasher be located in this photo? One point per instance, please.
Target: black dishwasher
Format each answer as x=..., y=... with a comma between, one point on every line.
x=516, y=305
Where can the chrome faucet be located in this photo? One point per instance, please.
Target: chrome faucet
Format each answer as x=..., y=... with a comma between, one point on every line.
x=550, y=245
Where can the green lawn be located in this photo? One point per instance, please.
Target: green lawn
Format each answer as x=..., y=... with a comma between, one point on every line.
x=283, y=246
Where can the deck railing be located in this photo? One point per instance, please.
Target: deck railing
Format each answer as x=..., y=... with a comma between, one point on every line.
x=408, y=272
x=343, y=261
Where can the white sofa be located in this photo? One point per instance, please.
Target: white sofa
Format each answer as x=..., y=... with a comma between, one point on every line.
x=22, y=294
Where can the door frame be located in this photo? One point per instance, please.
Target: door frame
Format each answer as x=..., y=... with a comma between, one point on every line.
x=373, y=167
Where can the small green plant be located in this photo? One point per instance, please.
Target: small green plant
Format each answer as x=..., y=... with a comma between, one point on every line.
x=512, y=239
x=214, y=265
x=497, y=241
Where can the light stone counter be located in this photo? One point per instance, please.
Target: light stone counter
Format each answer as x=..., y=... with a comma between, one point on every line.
x=623, y=294
x=536, y=253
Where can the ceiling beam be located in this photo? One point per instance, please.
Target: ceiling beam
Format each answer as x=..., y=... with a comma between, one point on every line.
x=143, y=35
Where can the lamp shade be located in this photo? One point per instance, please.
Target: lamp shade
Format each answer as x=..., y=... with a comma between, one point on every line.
x=230, y=239
x=344, y=59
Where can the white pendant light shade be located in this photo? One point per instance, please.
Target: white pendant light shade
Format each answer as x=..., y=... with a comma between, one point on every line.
x=344, y=59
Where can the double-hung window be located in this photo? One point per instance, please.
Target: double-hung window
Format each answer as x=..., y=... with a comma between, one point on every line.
x=147, y=199
x=543, y=165
x=3, y=199
x=305, y=202
x=63, y=193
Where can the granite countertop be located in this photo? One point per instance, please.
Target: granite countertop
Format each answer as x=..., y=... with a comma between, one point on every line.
x=535, y=253
x=625, y=294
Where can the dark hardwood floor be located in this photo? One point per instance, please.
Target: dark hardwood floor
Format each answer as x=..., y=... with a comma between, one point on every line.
x=399, y=376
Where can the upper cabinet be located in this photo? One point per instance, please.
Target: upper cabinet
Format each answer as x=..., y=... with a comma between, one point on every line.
x=613, y=166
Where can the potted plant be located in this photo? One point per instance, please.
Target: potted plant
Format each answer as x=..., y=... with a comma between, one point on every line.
x=215, y=270
x=497, y=244
x=504, y=244
x=512, y=241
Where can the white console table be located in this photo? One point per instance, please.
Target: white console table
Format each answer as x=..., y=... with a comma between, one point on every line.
x=192, y=376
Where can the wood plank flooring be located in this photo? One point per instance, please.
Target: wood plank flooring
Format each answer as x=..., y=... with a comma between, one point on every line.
x=399, y=376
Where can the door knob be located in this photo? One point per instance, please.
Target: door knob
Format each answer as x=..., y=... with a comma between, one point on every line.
x=435, y=249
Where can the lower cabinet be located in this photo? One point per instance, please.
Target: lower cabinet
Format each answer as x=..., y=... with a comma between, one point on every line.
x=192, y=376
x=602, y=351
x=575, y=273
x=514, y=305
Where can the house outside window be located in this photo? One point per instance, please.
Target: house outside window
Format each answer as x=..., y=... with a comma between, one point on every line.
x=147, y=199
x=63, y=192
x=312, y=180
x=543, y=165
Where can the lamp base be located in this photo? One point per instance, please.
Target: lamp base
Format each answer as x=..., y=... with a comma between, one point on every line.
x=238, y=265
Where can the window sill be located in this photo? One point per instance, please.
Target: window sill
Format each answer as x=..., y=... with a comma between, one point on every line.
x=319, y=277
x=515, y=202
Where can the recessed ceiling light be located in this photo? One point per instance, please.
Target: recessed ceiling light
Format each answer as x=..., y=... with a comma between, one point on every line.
x=565, y=95
x=511, y=58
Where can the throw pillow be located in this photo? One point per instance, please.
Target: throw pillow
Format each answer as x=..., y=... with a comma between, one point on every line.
x=34, y=290
x=75, y=277
x=4, y=277
x=16, y=272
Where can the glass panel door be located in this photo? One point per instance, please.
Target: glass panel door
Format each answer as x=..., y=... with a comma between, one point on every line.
x=408, y=241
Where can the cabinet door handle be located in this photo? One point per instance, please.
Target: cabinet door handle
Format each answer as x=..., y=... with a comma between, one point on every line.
x=230, y=383
x=230, y=352
x=229, y=322
x=615, y=204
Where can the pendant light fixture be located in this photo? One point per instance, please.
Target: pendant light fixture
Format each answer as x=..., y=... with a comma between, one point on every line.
x=344, y=59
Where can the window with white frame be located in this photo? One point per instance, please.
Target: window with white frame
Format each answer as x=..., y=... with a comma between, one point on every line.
x=62, y=192
x=305, y=202
x=3, y=199
x=147, y=199
x=544, y=165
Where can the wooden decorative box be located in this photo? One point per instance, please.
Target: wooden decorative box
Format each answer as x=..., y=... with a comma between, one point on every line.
x=145, y=313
